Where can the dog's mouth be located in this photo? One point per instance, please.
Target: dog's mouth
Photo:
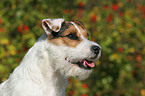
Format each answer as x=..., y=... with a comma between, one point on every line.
x=85, y=64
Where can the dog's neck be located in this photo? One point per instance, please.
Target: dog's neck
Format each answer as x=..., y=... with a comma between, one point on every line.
x=52, y=77
x=37, y=58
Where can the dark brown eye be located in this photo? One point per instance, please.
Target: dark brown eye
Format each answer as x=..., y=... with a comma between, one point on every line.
x=72, y=36
x=88, y=34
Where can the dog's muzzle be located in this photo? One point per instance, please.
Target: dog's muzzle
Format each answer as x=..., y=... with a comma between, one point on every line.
x=87, y=63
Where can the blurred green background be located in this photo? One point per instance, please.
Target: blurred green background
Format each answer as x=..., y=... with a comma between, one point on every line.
x=117, y=25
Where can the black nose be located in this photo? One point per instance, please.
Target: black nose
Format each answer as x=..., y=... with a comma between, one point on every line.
x=95, y=49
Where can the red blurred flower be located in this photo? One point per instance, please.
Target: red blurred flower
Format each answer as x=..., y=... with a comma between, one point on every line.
x=93, y=39
x=18, y=51
x=71, y=92
x=85, y=86
x=81, y=4
x=138, y=58
x=84, y=95
x=18, y=60
x=142, y=9
x=128, y=1
x=71, y=11
x=93, y=18
x=106, y=7
x=120, y=49
x=80, y=12
x=25, y=49
x=25, y=27
x=120, y=13
x=109, y=19
x=114, y=7
x=65, y=11
x=0, y=21
x=19, y=29
x=69, y=80
x=2, y=30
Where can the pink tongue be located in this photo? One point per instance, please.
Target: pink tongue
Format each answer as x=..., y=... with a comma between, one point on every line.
x=90, y=64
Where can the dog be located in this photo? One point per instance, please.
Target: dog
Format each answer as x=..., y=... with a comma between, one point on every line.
x=62, y=51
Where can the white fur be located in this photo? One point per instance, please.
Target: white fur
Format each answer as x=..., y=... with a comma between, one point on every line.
x=78, y=30
x=44, y=70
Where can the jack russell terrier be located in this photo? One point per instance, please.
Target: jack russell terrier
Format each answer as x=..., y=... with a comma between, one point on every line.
x=62, y=51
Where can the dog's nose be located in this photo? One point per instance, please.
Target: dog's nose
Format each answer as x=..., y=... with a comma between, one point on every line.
x=95, y=49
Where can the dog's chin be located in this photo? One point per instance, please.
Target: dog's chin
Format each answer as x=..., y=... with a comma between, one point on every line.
x=77, y=68
x=68, y=69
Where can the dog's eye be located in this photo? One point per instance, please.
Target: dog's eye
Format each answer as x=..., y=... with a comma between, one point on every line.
x=72, y=36
x=88, y=34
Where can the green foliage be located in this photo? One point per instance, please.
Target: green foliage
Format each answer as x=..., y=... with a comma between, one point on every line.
x=118, y=26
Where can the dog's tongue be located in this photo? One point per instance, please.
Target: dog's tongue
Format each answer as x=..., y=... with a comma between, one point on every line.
x=89, y=64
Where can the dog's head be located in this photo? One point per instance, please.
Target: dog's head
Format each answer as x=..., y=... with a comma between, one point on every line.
x=70, y=50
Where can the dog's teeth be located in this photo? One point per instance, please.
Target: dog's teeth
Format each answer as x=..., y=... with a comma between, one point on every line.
x=85, y=64
x=66, y=59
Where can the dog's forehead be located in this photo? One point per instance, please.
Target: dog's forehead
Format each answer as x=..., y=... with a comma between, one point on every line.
x=80, y=29
x=74, y=27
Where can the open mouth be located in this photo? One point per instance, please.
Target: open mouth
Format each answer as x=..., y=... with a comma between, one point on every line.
x=85, y=64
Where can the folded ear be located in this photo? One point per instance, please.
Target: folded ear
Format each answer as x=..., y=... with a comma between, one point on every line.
x=50, y=25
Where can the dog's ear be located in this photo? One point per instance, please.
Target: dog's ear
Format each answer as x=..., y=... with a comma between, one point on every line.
x=50, y=25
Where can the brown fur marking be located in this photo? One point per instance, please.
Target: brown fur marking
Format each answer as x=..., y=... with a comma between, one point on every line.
x=62, y=40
